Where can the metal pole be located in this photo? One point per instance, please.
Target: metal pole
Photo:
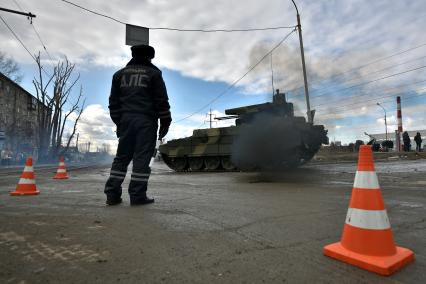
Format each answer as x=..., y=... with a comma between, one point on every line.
x=18, y=12
x=386, y=123
x=76, y=144
x=399, y=117
x=305, y=79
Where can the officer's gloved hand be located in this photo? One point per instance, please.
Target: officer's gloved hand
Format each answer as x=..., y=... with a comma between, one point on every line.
x=164, y=127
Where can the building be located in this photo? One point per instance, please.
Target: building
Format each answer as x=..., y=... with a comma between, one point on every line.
x=18, y=118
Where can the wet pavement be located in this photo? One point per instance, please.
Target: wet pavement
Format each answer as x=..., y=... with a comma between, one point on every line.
x=203, y=227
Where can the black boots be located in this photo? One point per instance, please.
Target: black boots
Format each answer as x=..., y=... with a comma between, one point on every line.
x=134, y=202
x=113, y=201
x=141, y=201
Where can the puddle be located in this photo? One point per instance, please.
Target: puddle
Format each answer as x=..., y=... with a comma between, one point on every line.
x=411, y=204
x=340, y=182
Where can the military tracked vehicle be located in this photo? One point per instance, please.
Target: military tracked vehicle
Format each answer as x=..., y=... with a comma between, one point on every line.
x=265, y=136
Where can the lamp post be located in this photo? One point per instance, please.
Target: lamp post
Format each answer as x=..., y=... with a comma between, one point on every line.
x=308, y=106
x=386, y=124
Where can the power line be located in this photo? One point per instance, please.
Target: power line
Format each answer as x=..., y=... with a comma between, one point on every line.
x=323, y=105
x=369, y=73
x=42, y=43
x=374, y=72
x=24, y=46
x=179, y=29
x=368, y=94
x=94, y=12
x=17, y=38
x=380, y=59
x=332, y=111
x=238, y=80
x=385, y=102
x=36, y=32
x=356, y=105
x=372, y=81
x=224, y=30
x=363, y=65
x=373, y=99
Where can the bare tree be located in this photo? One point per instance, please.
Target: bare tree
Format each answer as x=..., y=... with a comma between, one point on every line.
x=44, y=110
x=53, y=118
x=76, y=108
x=10, y=68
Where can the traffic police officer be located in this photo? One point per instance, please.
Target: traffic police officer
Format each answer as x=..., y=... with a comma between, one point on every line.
x=138, y=99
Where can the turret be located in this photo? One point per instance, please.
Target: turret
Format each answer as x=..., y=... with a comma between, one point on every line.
x=279, y=106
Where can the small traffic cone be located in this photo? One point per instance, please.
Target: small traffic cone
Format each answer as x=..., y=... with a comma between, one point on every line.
x=61, y=173
x=367, y=239
x=26, y=184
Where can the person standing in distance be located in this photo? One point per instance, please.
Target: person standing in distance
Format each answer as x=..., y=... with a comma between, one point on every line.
x=418, y=139
x=138, y=99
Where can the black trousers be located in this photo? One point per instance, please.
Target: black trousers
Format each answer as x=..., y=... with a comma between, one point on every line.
x=138, y=135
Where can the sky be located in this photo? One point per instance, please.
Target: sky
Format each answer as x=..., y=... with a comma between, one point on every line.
x=358, y=53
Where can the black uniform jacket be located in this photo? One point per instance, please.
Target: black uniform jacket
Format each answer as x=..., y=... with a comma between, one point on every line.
x=139, y=88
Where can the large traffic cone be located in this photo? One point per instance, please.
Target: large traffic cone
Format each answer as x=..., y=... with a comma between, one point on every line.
x=367, y=239
x=61, y=173
x=26, y=184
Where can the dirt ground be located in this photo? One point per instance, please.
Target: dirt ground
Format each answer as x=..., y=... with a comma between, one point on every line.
x=203, y=227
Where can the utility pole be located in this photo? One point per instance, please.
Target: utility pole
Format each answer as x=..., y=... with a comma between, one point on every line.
x=76, y=143
x=386, y=123
x=210, y=118
x=399, y=117
x=305, y=79
x=210, y=114
x=29, y=15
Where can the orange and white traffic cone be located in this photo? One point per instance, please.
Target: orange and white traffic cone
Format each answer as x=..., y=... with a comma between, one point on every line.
x=61, y=173
x=26, y=184
x=367, y=240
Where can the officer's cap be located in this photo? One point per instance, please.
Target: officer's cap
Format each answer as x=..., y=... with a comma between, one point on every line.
x=143, y=50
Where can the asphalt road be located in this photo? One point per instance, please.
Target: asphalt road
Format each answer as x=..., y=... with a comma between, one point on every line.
x=203, y=227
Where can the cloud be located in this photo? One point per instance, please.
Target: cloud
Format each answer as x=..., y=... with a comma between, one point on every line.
x=338, y=36
x=95, y=126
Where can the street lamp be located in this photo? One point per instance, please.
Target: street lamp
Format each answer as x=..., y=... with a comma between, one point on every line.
x=308, y=106
x=386, y=124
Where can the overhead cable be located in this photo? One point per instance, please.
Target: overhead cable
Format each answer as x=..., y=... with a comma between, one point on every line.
x=363, y=65
x=25, y=47
x=373, y=99
x=372, y=72
x=17, y=38
x=35, y=31
x=180, y=29
x=238, y=80
x=317, y=107
x=372, y=81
